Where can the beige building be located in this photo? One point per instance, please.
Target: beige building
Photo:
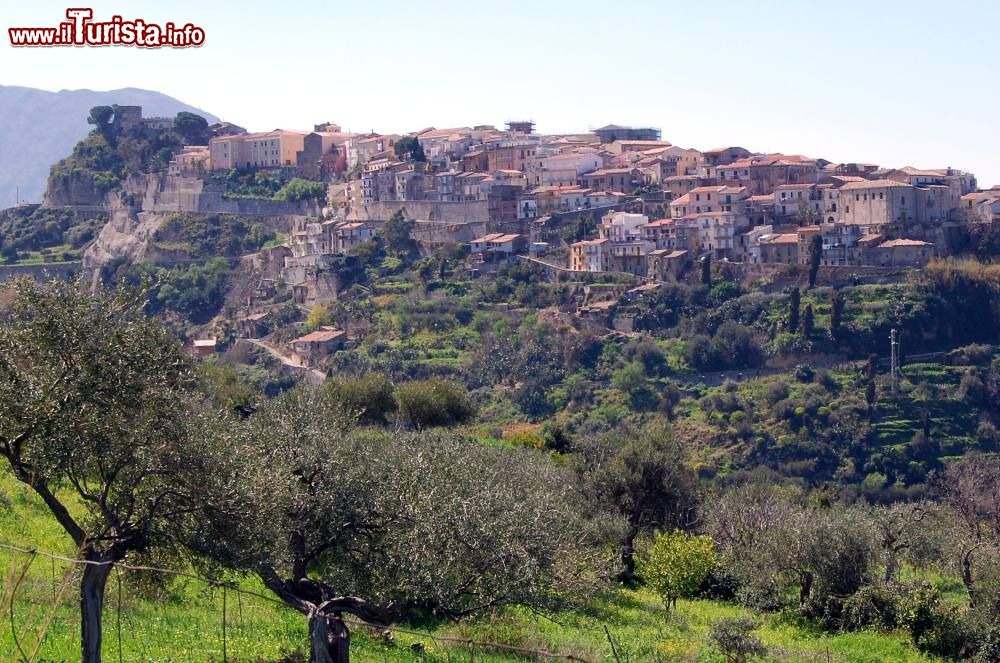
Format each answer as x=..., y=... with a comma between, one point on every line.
x=271, y=149
x=565, y=169
x=592, y=255
x=980, y=207
x=192, y=161
x=874, y=204
x=896, y=253
x=666, y=264
x=780, y=248
x=313, y=347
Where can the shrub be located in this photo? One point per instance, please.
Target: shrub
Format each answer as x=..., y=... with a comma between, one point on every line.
x=299, y=189
x=976, y=354
x=675, y=565
x=878, y=607
x=776, y=392
x=369, y=397
x=804, y=373
x=734, y=639
x=434, y=402
x=934, y=627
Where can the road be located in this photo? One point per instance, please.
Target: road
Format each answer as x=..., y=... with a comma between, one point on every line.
x=311, y=375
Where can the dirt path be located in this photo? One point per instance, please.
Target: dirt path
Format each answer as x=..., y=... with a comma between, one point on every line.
x=311, y=375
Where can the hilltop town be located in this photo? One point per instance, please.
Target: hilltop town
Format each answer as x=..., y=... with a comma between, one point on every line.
x=660, y=205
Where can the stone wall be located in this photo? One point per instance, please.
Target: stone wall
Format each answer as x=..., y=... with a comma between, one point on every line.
x=172, y=193
x=462, y=212
x=431, y=233
x=41, y=272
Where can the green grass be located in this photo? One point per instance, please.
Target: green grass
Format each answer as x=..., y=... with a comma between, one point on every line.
x=182, y=621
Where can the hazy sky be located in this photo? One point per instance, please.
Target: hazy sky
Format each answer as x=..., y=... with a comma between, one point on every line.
x=891, y=82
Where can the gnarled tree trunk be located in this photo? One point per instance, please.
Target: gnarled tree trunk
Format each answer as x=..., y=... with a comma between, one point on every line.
x=95, y=580
x=329, y=639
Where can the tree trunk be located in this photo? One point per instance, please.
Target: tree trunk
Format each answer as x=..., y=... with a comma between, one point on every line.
x=627, y=576
x=95, y=580
x=805, y=586
x=329, y=639
x=967, y=579
x=891, y=566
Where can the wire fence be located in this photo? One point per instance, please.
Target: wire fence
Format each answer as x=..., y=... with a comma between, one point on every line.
x=196, y=619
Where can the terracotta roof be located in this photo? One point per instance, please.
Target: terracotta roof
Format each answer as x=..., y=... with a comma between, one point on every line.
x=895, y=243
x=602, y=306
x=659, y=223
x=610, y=171
x=794, y=187
x=503, y=239
x=782, y=238
x=486, y=238
x=871, y=184
x=321, y=336
x=720, y=150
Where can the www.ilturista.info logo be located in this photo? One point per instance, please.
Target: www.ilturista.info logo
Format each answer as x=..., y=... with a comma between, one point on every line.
x=81, y=30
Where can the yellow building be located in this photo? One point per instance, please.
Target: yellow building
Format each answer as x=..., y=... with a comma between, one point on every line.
x=271, y=149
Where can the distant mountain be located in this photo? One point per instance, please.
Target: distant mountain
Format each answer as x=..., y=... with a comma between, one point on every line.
x=38, y=128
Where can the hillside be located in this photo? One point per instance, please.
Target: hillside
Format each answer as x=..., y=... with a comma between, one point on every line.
x=41, y=127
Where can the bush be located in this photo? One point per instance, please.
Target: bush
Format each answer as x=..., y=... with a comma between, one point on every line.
x=976, y=354
x=734, y=639
x=776, y=392
x=878, y=607
x=934, y=627
x=299, y=189
x=675, y=565
x=369, y=397
x=804, y=373
x=434, y=402
x=732, y=346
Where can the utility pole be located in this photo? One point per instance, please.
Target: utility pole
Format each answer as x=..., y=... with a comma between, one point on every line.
x=894, y=361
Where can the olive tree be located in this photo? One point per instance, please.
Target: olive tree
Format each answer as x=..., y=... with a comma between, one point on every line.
x=971, y=488
x=647, y=479
x=771, y=542
x=93, y=421
x=336, y=520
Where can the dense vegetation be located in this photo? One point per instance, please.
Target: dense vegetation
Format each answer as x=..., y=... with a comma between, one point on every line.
x=204, y=236
x=268, y=185
x=111, y=152
x=46, y=235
